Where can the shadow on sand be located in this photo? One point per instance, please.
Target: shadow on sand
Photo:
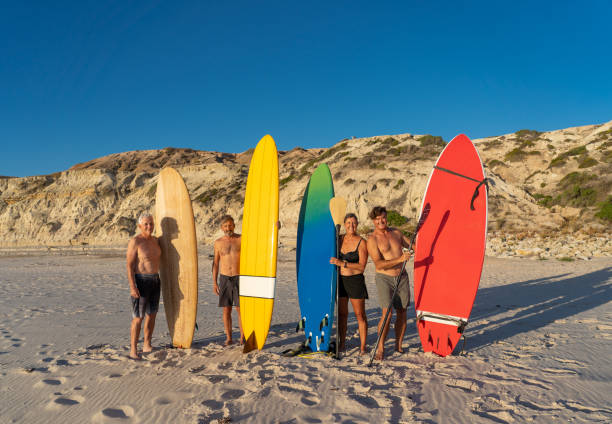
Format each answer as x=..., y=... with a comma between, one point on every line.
x=510, y=310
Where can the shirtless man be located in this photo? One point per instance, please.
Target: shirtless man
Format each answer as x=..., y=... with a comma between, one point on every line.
x=227, y=261
x=143, y=256
x=385, y=248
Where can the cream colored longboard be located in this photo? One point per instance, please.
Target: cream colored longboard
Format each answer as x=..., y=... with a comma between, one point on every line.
x=175, y=228
x=259, y=245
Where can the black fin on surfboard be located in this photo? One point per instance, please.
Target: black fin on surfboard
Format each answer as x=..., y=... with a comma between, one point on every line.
x=300, y=325
x=250, y=343
x=323, y=323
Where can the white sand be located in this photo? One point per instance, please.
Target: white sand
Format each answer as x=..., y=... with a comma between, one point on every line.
x=539, y=348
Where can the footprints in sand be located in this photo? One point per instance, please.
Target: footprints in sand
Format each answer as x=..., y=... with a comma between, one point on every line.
x=114, y=414
x=219, y=409
x=467, y=385
x=65, y=401
x=9, y=341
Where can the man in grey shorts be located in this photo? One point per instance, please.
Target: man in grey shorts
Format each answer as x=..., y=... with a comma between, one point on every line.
x=385, y=246
x=226, y=266
x=143, y=258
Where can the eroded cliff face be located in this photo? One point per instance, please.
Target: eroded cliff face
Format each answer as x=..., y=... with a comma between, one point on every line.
x=543, y=183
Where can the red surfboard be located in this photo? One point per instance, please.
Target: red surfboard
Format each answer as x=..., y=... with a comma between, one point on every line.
x=450, y=246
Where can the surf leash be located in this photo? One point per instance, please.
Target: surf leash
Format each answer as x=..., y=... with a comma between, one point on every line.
x=484, y=182
x=422, y=220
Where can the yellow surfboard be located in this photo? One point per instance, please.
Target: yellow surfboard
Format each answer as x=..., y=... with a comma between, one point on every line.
x=259, y=245
x=178, y=271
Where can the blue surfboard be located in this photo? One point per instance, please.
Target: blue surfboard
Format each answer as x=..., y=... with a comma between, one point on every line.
x=316, y=277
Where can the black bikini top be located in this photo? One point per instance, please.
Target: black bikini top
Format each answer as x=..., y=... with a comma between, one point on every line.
x=351, y=257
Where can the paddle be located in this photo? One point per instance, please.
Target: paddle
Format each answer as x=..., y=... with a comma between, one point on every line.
x=422, y=219
x=337, y=207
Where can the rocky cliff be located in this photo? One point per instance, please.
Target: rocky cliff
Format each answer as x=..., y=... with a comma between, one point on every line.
x=544, y=186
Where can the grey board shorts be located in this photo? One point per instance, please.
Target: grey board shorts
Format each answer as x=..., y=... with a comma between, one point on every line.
x=385, y=285
x=228, y=290
x=148, y=286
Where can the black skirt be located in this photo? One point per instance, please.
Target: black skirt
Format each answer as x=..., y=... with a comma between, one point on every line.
x=353, y=287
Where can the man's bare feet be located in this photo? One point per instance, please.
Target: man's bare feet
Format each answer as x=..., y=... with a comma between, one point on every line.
x=363, y=352
x=147, y=349
x=134, y=357
x=380, y=355
x=398, y=348
x=228, y=342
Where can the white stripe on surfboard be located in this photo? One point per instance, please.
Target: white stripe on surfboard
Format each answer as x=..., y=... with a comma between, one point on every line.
x=252, y=286
x=440, y=318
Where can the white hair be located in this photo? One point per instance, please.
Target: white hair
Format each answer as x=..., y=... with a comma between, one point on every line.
x=144, y=216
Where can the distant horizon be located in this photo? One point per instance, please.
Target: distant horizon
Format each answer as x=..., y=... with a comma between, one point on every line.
x=83, y=80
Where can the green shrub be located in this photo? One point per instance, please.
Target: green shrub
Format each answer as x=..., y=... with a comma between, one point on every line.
x=543, y=200
x=558, y=161
x=562, y=158
x=399, y=184
x=207, y=196
x=515, y=155
x=575, y=178
x=603, y=135
x=496, y=162
x=576, y=151
x=605, y=210
x=307, y=166
x=431, y=140
x=528, y=134
x=330, y=152
x=390, y=141
x=580, y=196
x=492, y=143
x=286, y=180
x=395, y=219
x=151, y=191
x=587, y=162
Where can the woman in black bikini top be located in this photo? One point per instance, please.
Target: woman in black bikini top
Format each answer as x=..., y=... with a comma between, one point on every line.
x=352, y=282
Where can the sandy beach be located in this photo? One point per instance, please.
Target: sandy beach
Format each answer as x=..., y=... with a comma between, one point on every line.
x=539, y=348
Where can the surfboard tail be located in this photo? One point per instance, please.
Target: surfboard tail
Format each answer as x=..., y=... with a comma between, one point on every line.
x=250, y=343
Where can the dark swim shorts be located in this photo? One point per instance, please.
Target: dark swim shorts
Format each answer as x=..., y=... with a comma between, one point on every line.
x=148, y=286
x=385, y=285
x=353, y=287
x=228, y=290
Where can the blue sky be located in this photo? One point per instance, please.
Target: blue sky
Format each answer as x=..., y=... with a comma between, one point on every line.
x=83, y=79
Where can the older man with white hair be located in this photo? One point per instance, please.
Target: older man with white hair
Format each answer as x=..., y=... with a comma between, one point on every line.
x=143, y=258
